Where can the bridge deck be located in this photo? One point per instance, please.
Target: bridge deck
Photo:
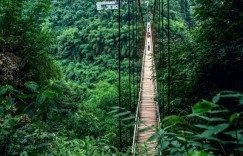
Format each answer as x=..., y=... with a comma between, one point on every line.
x=148, y=108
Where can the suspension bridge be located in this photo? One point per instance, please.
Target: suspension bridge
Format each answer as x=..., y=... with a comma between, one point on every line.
x=147, y=109
x=149, y=100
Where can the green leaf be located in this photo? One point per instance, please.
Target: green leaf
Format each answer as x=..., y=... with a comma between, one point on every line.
x=208, y=147
x=239, y=149
x=24, y=153
x=135, y=123
x=233, y=117
x=236, y=95
x=164, y=145
x=5, y=89
x=161, y=131
x=40, y=100
x=199, y=153
x=181, y=138
x=154, y=137
x=10, y=103
x=173, y=150
x=211, y=119
x=116, y=107
x=203, y=106
x=218, y=111
x=122, y=114
x=216, y=98
x=174, y=120
x=195, y=143
x=235, y=134
x=188, y=132
x=146, y=129
x=175, y=143
x=202, y=126
x=214, y=130
x=32, y=86
x=213, y=139
x=49, y=94
x=241, y=101
x=128, y=118
x=113, y=111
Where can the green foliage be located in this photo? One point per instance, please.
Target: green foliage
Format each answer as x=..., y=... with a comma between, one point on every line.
x=82, y=33
x=42, y=116
x=199, y=153
x=87, y=147
x=72, y=118
x=86, y=43
x=24, y=44
x=38, y=121
x=203, y=106
x=213, y=130
x=220, y=38
x=21, y=130
x=206, y=51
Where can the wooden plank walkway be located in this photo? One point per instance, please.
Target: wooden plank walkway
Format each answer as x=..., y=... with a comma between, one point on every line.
x=148, y=107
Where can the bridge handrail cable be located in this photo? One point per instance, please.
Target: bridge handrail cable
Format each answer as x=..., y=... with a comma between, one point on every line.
x=135, y=133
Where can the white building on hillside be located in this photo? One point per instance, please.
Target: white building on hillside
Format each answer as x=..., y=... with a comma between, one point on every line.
x=108, y=5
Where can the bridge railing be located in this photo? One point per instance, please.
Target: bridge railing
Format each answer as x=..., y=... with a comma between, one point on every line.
x=135, y=133
x=156, y=91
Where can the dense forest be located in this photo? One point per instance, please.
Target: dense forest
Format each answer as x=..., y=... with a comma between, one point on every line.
x=59, y=76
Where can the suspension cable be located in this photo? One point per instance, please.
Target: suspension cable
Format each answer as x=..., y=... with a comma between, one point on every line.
x=129, y=58
x=154, y=12
x=163, y=60
x=119, y=72
x=158, y=56
x=141, y=13
x=168, y=48
x=137, y=51
x=133, y=43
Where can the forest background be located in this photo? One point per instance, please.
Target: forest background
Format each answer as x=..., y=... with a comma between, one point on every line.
x=59, y=80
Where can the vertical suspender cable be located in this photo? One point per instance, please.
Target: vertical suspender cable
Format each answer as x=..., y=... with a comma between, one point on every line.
x=169, y=68
x=119, y=71
x=133, y=50
x=141, y=13
x=154, y=10
x=159, y=30
x=159, y=59
x=137, y=48
x=129, y=59
x=154, y=23
x=163, y=60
